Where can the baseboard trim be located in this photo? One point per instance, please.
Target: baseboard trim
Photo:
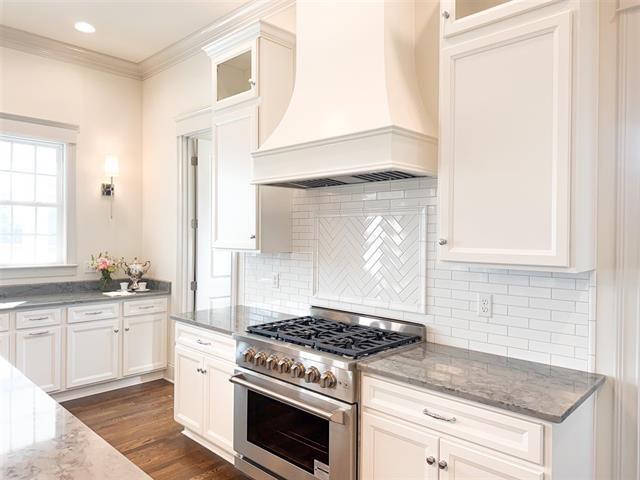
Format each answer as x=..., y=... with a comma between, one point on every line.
x=106, y=387
x=229, y=457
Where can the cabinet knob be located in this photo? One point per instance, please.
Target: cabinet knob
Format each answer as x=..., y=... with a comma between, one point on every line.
x=116, y=330
x=252, y=237
x=431, y=460
x=126, y=329
x=445, y=14
x=442, y=241
x=199, y=370
x=442, y=465
x=252, y=82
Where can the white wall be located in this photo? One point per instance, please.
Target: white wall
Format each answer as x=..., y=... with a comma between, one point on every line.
x=108, y=110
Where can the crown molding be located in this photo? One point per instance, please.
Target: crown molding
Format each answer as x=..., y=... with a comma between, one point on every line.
x=194, y=43
x=46, y=47
x=156, y=63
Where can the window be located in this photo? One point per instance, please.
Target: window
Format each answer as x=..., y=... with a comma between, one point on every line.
x=32, y=202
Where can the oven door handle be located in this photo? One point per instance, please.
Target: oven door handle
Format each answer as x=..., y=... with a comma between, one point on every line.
x=335, y=416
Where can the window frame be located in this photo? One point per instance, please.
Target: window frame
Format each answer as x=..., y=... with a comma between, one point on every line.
x=36, y=130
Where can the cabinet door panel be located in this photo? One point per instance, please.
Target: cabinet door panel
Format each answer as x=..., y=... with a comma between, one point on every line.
x=505, y=162
x=394, y=450
x=5, y=346
x=467, y=463
x=234, y=138
x=144, y=344
x=38, y=356
x=189, y=389
x=93, y=352
x=218, y=414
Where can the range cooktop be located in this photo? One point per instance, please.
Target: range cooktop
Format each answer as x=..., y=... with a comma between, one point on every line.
x=348, y=340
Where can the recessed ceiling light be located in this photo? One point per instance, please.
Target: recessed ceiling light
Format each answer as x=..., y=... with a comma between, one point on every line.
x=84, y=27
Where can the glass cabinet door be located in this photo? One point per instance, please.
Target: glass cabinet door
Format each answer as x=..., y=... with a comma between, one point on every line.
x=234, y=76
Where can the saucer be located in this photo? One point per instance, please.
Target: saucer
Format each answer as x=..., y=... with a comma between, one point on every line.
x=141, y=290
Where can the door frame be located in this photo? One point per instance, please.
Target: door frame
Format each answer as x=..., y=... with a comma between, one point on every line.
x=191, y=125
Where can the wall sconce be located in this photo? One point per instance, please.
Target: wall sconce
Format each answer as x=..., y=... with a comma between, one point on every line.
x=111, y=169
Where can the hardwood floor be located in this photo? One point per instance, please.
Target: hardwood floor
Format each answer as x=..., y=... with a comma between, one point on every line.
x=138, y=421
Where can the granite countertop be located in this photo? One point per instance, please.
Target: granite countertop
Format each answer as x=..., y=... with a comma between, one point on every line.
x=54, y=299
x=40, y=439
x=230, y=320
x=533, y=389
x=52, y=294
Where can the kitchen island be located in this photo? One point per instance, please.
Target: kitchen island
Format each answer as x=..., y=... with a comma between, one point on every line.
x=41, y=439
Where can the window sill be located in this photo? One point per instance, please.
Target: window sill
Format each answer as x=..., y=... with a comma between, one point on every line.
x=35, y=271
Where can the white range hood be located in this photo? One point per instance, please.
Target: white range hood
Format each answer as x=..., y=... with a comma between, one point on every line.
x=356, y=114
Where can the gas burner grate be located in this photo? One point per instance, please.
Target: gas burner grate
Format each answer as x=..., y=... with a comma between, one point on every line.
x=352, y=341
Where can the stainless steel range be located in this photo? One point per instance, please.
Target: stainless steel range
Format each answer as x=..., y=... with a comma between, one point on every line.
x=296, y=392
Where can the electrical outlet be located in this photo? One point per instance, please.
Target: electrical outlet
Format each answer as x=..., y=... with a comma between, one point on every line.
x=484, y=305
x=88, y=268
x=275, y=280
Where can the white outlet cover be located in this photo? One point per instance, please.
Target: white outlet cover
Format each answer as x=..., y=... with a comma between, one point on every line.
x=484, y=305
x=275, y=280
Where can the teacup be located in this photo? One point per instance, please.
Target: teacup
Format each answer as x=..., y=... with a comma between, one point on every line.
x=124, y=286
x=142, y=285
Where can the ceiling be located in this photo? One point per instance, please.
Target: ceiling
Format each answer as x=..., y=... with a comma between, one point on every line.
x=131, y=30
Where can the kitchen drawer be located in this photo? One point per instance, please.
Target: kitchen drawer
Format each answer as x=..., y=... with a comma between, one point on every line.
x=100, y=311
x=143, y=307
x=205, y=341
x=4, y=322
x=38, y=318
x=504, y=433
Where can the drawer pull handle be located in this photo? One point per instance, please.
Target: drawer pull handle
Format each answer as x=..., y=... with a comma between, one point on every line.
x=437, y=416
x=146, y=307
x=203, y=343
x=34, y=334
x=35, y=319
x=94, y=313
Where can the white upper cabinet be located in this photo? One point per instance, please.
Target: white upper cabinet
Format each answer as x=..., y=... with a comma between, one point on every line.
x=252, y=84
x=517, y=152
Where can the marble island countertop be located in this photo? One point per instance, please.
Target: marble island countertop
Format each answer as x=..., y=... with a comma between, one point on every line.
x=230, y=320
x=41, y=440
x=533, y=389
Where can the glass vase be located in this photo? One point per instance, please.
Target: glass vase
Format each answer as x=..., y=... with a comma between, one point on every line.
x=105, y=280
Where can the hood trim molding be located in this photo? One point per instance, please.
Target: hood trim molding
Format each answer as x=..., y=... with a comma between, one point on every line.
x=376, y=150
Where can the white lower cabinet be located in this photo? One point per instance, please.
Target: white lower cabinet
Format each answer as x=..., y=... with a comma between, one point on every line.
x=38, y=353
x=411, y=433
x=144, y=344
x=203, y=394
x=93, y=352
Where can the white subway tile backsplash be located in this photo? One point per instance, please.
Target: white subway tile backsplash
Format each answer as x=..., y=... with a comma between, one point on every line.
x=537, y=316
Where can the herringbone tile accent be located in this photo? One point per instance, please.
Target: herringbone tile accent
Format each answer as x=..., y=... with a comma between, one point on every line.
x=373, y=259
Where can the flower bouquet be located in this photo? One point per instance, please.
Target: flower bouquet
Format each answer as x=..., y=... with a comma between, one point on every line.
x=105, y=265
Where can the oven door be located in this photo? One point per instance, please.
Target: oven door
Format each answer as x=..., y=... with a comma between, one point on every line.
x=291, y=432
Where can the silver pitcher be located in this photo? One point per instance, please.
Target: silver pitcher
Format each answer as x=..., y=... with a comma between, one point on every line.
x=135, y=270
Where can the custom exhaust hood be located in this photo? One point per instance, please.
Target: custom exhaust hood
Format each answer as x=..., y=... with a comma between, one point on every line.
x=356, y=114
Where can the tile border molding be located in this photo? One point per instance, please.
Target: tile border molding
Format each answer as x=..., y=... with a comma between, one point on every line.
x=177, y=52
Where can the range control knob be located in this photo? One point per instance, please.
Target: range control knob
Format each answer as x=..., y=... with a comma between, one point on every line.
x=284, y=365
x=272, y=362
x=260, y=359
x=312, y=375
x=328, y=380
x=297, y=370
x=249, y=354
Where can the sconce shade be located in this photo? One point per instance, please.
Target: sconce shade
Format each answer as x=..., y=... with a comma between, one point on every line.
x=111, y=167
